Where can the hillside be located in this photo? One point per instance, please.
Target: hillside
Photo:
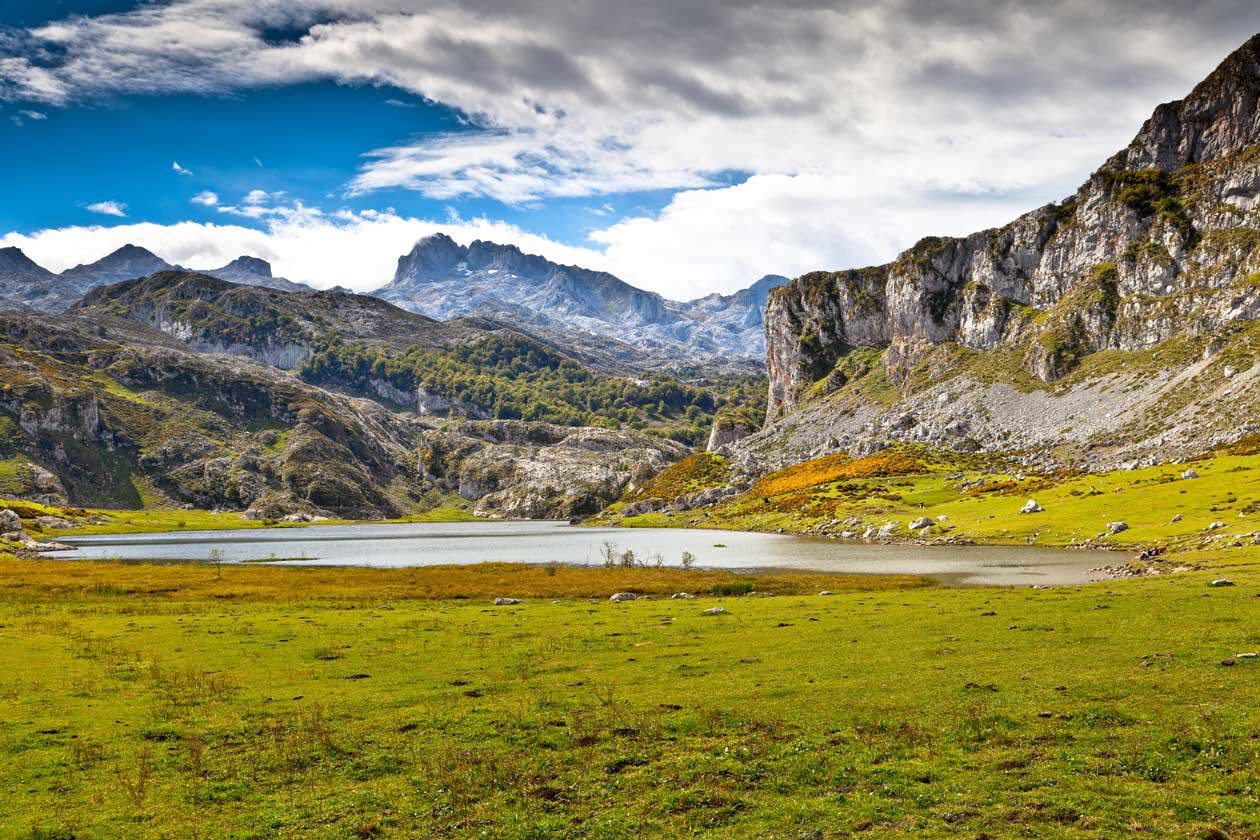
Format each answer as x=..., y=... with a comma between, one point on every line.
x=1117, y=325
x=180, y=388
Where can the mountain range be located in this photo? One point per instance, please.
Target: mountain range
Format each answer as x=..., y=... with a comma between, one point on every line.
x=1119, y=326
x=26, y=285
x=442, y=279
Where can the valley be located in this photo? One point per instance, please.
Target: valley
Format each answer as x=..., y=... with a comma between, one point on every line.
x=962, y=544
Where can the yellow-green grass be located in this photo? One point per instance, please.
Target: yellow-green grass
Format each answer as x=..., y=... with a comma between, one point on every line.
x=1103, y=711
x=1077, y=507
x=161, y=520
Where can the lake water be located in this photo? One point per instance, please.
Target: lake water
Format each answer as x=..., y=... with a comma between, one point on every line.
x=429, y=544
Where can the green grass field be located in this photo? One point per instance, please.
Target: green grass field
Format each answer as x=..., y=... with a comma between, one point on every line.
x=980, y=500
x=158, y=701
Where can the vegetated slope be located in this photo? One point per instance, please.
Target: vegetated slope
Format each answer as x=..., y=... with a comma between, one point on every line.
x=114, y=421
x=474, y=368
x=1116, y=325
x=912, y=492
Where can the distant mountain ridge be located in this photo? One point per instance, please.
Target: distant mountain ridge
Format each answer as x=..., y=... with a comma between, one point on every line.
x=443, y=279
x=26, y=285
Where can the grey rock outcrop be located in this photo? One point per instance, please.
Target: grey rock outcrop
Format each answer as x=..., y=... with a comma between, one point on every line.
x=1161, y=243
x=443, y=279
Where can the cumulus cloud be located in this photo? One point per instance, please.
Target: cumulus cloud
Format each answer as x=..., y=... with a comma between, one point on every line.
x=358, y=250
x=848, y=129
x=205, y=198
x=108, y=208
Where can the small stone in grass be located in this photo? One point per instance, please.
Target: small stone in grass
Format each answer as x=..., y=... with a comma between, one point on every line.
x=507, y=602
x=716, y=611
x=623, y=596
x=826, y=592
x=1227, y=662
x=1221, y=582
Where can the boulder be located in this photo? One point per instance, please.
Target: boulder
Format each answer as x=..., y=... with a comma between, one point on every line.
x=1221, y=582
x=682, y=596
x=9, y=521
x=623, y=596
x=716, y=611
x=1190, y=473
x=507, y=602
x=1216, y=526
x=920, y=523
x=47, y=522
x=1117, y=526
x=1031, y=506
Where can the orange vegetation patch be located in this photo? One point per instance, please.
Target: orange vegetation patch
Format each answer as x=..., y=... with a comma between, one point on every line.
x=693, y=473
x=836, y=467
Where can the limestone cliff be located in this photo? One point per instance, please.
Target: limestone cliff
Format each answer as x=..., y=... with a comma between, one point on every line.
x=1161, y=243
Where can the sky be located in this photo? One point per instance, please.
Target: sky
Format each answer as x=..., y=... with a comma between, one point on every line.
x=687, y=146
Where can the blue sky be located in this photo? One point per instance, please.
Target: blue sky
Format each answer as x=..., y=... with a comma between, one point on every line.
x=686, y=146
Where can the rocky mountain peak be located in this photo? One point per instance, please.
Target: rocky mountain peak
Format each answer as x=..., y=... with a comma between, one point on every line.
x=14, y=261
x=245, y=266
x=1218, y=117
x=124, y=263
x=432, y=256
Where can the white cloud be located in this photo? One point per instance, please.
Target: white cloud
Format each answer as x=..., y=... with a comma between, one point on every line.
x=205, y=198
x=859, y=125
x=33, y=115
x=357, y=250
x=180, y=169
x=108, y=208
x=256, y=197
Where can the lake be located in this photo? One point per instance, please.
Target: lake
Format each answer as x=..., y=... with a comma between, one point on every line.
x=429, y=544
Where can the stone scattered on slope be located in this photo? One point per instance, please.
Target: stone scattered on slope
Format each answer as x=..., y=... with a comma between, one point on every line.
x=507, y=602
x=1117, y=526
x=619, y=597
x=1221, y=582
x=681, y=596
x=1031, y=506
x=716, y=611
x=1190, y=473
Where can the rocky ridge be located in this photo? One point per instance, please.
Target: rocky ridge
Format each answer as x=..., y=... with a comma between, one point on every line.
x=25, y=285
x=443, y=279
x=1113, y=326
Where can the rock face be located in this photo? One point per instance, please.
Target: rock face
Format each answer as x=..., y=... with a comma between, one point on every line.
x=255, y=272
x=1160, y=245
x=728, y=429
x=444, y=280
x=539, y=471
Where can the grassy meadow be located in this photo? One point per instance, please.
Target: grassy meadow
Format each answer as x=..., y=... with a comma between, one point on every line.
x=245, y=701
x=187, y=701
x=977, y=499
